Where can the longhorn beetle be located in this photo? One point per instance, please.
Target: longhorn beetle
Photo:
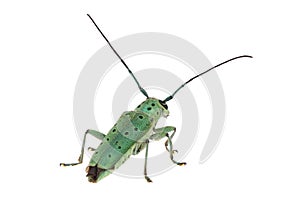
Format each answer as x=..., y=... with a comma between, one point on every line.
x=133, y=131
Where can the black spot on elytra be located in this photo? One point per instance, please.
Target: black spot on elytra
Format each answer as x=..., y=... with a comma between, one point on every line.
x=114, y=130
x=117, y=142
x=126, y=133
x=152, y=104
x=139, y=106
x=107, y=139
x=135, y=129
x=141, y=117
x=119, y=147
x=149, y=108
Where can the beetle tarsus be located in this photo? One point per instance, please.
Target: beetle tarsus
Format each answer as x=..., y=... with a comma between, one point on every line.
x=148, y=179
x=68, y=164
x=181, y=163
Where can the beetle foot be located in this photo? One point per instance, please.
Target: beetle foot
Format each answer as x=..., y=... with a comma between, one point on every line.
x=181, y=163
x=148, y=179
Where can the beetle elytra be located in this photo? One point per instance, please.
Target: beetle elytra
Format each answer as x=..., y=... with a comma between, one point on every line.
x=133, y=131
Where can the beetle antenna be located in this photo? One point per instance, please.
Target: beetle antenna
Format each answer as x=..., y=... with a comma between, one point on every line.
x=171, y=96
x=130, y=72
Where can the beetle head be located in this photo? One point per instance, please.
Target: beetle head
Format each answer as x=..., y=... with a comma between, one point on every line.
x=154, y=108
x=164, y=107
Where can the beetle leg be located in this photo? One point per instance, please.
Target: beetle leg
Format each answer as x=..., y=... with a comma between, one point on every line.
x=91, y=149
x=166, y=146
x=145, y=165
x=138, y=148
x=161, y=133
x=94, y=133
x=171, y=150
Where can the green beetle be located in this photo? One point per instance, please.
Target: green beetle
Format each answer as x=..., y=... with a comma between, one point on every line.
x=129, y=136
x=132, y=132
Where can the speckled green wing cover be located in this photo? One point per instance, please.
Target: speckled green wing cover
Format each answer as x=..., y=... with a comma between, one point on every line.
x=130, y=131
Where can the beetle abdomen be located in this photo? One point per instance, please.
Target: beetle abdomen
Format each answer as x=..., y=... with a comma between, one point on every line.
x=132, y=127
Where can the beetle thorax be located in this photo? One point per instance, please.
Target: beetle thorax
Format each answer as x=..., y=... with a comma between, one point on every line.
x=153, y=108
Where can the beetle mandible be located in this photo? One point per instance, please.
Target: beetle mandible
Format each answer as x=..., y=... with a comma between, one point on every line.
x=133, y=131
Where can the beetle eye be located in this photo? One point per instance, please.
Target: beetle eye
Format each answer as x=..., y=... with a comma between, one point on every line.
x=163, y=104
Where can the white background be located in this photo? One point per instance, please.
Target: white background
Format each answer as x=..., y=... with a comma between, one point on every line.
x=43, y=48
